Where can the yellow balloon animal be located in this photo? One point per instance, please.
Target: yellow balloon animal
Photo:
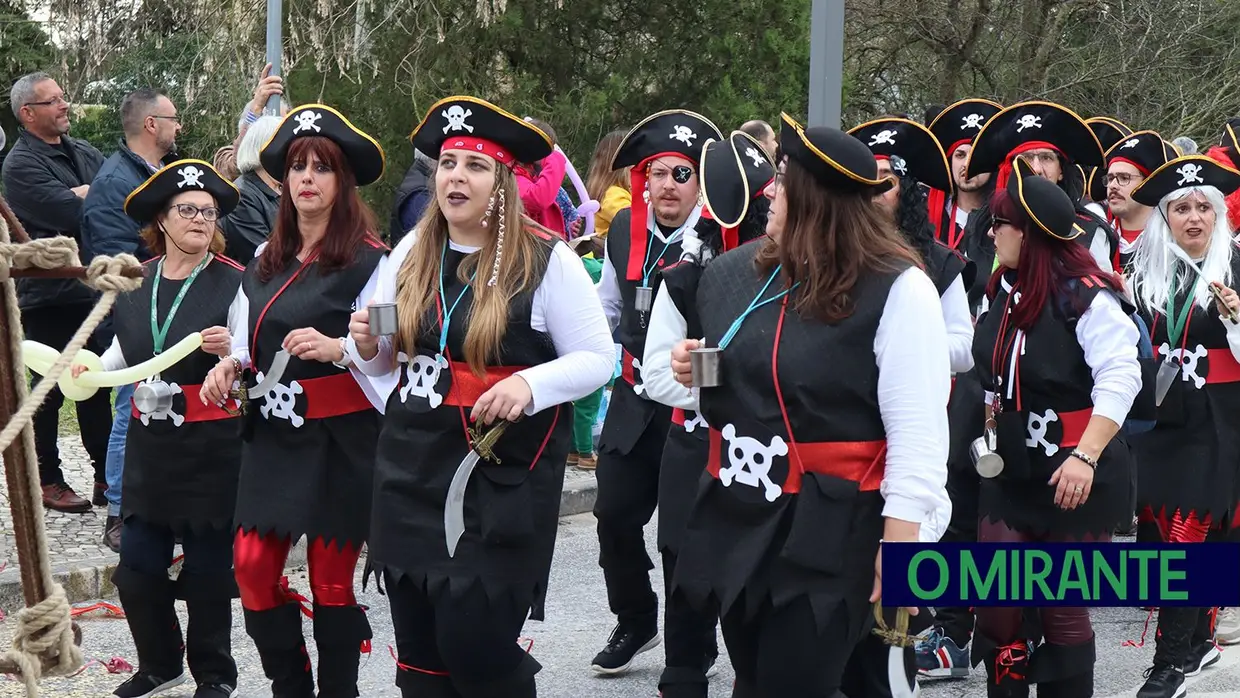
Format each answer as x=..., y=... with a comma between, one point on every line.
x=40, y=357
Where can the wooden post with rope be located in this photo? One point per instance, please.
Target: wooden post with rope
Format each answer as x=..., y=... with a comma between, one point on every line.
x=45, y=639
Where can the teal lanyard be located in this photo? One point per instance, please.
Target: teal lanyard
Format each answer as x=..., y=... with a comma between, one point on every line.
x=443, y=302
x=649, y=265
x=754, y=305
x=1175, y=327
x=159, y=334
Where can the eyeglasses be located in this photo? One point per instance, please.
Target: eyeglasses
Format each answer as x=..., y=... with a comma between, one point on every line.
x=58, y=101
x=997, y=221
x=176, y=119
x=1121, y=178
x=778, y=181
x=188, y=211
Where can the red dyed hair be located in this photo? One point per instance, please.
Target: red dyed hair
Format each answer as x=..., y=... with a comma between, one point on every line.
x=350, y=223
x=1220, y=154
x=1046, y=265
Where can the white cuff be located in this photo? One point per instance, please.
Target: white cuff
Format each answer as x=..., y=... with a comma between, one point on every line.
x=1113, y=408
x=906, y=508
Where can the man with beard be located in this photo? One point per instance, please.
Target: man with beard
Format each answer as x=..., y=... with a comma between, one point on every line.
x=1128, y=163
x=150, y=123
x=955, y=127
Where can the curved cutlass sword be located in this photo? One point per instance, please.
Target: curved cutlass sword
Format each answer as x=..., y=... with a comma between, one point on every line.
x=454, y=505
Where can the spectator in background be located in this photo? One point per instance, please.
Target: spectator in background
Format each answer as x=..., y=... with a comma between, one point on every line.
x=562, y=199
x=1185, y=145
x=540, y=185
x=251, y=222
x=412, y=196
x=225, y=162
x=763, y=133
x=46, y=176
x=607, y=186
x=150, y=124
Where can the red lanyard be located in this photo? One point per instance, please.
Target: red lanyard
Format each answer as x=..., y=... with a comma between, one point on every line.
x=258, y=323
x=1000, y=356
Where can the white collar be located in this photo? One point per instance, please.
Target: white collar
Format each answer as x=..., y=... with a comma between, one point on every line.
x=653, y=226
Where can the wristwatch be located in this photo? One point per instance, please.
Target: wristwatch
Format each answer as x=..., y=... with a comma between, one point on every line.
x=345, y=360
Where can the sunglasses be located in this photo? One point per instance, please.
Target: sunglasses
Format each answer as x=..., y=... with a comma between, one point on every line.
x=997, y=221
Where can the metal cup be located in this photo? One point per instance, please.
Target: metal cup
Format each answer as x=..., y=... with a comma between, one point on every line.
x=153, y=397
x=644, y=299
x=383, y=320
x=988, y=463
x=706, y=366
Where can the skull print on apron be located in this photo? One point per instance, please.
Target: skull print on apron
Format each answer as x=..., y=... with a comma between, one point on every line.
x=425, y=377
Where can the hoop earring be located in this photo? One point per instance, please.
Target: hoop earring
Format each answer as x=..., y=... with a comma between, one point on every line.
x=499, y=241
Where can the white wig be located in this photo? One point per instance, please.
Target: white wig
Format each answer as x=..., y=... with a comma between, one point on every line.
x=1158, y=258
x=256, y=136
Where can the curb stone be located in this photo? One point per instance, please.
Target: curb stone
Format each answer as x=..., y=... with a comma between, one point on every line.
x=90, y=579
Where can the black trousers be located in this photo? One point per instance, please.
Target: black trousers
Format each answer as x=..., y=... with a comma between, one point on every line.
x=628, y=493
x=780, y=652
x=957, y=622
x=55, y=326
x=689, y=640
x=470, y=640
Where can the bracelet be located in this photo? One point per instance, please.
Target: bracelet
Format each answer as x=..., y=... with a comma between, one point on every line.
x=236, y=364
x=1085, y=457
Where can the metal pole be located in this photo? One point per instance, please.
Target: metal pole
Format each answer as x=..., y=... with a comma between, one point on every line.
x=826, y=62
x=275, y=48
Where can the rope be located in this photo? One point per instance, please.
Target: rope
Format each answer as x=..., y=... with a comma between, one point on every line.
x=42, y=628
x=44, y=632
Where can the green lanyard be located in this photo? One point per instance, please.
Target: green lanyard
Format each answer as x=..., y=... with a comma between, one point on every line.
x=160, y=333
x=1175, y=327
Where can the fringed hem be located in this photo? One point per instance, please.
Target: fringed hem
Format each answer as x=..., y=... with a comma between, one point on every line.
x=294, y=535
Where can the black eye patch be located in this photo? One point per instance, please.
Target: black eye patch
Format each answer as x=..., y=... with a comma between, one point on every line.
x=682, y=173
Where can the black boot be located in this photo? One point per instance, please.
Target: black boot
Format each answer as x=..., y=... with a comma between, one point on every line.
x=744, y=689
x=282, y=649
x=1064, y=671
x=1202, y=650
x=149, y=601
x=682, y=682
x=208, y=639
x=418, y=684
x=519, y=683
x=1007, y=667
x=339, y=631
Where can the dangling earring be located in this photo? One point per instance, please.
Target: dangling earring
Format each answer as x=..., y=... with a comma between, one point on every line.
x=486, y=218
x=499, y=241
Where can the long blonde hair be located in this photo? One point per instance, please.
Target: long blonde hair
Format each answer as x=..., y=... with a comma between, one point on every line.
x=601, y=177
x=521, y=267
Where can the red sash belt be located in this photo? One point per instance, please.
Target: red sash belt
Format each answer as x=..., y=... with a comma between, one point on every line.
x=862, y=462
x=334, y=395
x=678, y=416
x=467, y=387
x=1223, y=366
x=627, y=372
x=195, y=411
x=1074, y=425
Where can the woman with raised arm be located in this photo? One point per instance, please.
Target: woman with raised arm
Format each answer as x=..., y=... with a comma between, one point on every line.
x=181, y=457
x=828, y=415
x=499, y=328
x=308, y=458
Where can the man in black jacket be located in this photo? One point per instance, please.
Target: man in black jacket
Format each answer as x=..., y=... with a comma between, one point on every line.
x=46, y=176
x=150, y=123
x=411, y=197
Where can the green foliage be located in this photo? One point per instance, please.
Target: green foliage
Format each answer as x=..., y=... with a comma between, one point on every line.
x=24, y=48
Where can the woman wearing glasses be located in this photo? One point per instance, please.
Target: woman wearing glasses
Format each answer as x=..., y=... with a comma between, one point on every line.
x=1057, y=356
x=181, y=457
x=829, y=416
x=308, y=459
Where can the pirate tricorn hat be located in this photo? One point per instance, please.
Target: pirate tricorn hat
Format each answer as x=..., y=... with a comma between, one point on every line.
x=959, y=123
x=673, y=133
x=1032, y=126
x=837, y=160
x=1186, y=171
x=732, y=173
x=146, y=202
x=364, y=154
x=1231, y=135
x=1144, y=150
x=1048, y=208
x=890, y=137
x=469, y=123
x=1108, y=130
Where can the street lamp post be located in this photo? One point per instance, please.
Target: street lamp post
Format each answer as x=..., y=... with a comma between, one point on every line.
x=275, y=48
x=826, y=62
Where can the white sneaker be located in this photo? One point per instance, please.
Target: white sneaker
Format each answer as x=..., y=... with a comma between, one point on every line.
x=1227, y=626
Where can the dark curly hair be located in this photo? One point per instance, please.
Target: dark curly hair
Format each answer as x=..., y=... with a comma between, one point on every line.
x=752, y=227
x=913, y=217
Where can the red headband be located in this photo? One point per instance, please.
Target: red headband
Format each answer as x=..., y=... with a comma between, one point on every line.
x=637, y=215
x=1005, y=169
x=479, y=145
x=1140, y=168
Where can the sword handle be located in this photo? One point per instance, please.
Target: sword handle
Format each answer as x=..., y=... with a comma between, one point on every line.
x=484, y=444
x=242, y=396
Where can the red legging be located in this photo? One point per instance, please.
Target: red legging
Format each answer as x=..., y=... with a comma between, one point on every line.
x=1002, y=624
x=259, y=567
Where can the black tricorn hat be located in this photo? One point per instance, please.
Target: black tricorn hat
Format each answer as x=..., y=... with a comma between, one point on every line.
x=476, y=124
x=1231, y=135
x=1030, y=122
x=1048, y=207
x=1144, y=150
x=1186, y=171
x=732, y=173
x=836, y=159
x=146, y=202
x=1108, y=130
x=364, y=154
x=671, y=132
x=959, y=123
x=912, y=143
